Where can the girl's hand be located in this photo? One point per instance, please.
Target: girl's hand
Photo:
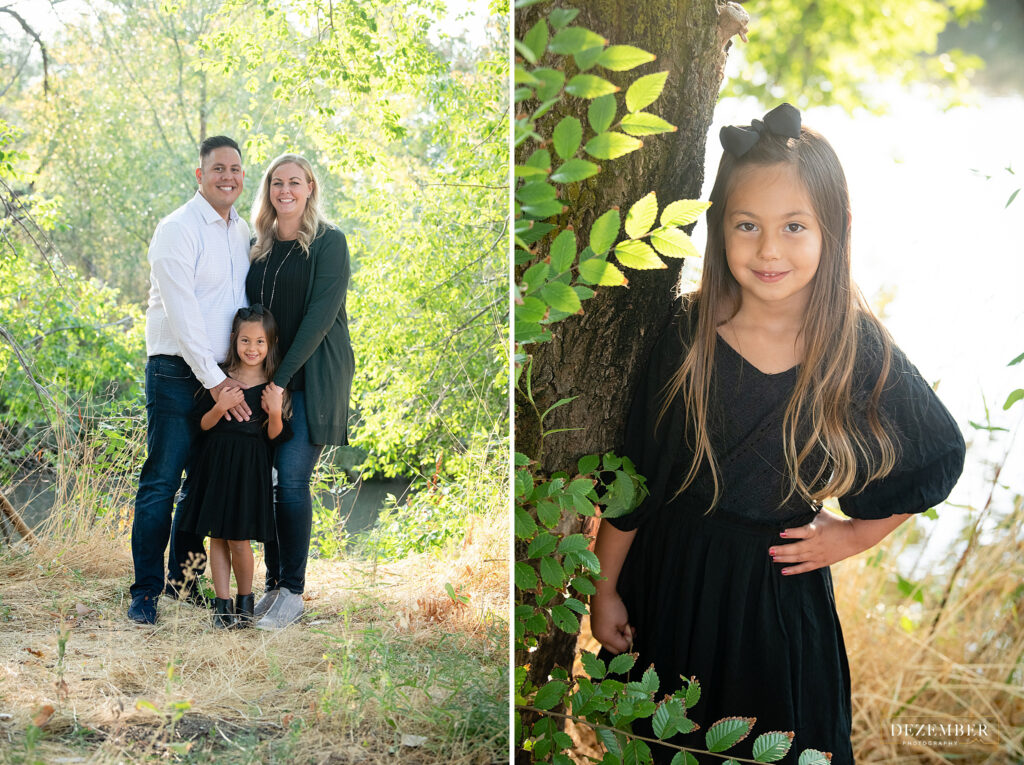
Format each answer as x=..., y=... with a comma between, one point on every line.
x=829, y=539
x=609, y=622
x=272, y=399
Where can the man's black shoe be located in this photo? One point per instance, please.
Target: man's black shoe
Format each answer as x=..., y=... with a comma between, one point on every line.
x=143, y=609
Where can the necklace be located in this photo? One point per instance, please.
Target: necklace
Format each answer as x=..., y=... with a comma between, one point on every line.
x=273, y=286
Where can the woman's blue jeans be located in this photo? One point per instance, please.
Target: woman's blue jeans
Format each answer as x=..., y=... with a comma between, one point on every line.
x=294, y=461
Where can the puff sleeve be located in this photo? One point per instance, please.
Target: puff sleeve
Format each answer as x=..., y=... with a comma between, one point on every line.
x=653, y=445
x=929, y=448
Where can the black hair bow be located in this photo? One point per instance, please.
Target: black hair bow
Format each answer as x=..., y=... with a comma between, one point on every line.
x=783, y=120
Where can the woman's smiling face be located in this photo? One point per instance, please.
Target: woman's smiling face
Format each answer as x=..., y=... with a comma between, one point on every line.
x=289, y=190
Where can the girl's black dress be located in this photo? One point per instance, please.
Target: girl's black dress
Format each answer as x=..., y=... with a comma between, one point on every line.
x=231, y=493
x=704, y=596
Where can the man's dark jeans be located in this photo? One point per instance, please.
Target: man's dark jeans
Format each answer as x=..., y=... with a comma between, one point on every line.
x=171, y=395
x=293, y=504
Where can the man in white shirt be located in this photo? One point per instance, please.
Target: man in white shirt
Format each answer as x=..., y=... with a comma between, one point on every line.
x=198, y=257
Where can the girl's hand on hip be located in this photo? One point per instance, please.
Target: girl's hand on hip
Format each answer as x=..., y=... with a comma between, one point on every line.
x=829, y=539
x=609, y=622
x=272, y=399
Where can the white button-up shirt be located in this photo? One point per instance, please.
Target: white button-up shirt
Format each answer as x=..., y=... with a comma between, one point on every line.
x=198, y=262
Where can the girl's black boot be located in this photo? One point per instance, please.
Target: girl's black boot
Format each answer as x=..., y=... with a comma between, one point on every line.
x=223, y=613
x=244, y=606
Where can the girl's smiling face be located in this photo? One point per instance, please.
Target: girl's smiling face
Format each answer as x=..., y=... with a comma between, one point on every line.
x=772, y=237
x=289, y=190
x=251, y=343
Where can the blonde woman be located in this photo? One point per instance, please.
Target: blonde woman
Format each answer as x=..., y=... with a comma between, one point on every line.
x=300, y=272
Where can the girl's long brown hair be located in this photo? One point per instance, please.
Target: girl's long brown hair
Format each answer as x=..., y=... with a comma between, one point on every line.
x=258, y=314
x=820, y=413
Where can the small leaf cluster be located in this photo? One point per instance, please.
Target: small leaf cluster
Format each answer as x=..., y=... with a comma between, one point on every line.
x=554, y=286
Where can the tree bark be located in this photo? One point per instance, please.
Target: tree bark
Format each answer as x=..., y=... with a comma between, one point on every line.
x=597, y=356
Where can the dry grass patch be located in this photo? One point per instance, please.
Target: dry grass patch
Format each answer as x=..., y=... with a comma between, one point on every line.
x=384, y=664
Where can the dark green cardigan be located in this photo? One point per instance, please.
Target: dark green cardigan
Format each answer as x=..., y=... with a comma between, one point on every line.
x=322, y=345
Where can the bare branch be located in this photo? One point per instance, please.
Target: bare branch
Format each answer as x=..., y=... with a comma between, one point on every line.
x=39, y=41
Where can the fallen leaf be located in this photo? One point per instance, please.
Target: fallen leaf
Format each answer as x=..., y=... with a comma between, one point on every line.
x=42, y=715
x=34, y=652
x=410, y=740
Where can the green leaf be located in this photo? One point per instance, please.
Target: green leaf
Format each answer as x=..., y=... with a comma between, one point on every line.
x=573, y=543
x=524, y=77
x=604, y=232
x=524, y=483
x=565, y=620
x=559, y=17
x=682, y=212
x=645, y=91
x=575, y=170
x=526, y=576
x=621, y=664
x=692, y=693
x=581, y=486
x=525, y=51
x=563, y=252
x=521, y=460
x=549, y=513
x=641, y=216
x=668, y=718
x=1016, y=360
x=643, y=123
x=550, y=695
x=650, y=680
x=543, y=210
x=601, y=272
x=543, y=544
x=551, y=572
x=536, y=275
x=531, y=310
x=585, y=59
x=592, y=665
x=931, y=513
x=535, y=192
x=540, y=158
x=590, y=86
x=588, y=464
x=1010, y=200
x=567, y=136
x=674, y=243
x=636, y=752
x=813, y=757
x=638, y=255
x=572, y=40
x=526, y=527
x=612, y=145
x=772, y=746
x=621, y=58
x=683, y=758
x=583, y=586
x=575, y=605
x=561, y=297
x=525, y=171
x=1013, y=398
x=537, y=39
x=727, y=732
x=551, y=81
x=601, y=112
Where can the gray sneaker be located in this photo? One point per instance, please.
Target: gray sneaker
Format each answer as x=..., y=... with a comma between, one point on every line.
x=266, y=602
x=287, y=609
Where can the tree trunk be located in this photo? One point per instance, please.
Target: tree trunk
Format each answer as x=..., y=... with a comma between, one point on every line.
x=596, y=356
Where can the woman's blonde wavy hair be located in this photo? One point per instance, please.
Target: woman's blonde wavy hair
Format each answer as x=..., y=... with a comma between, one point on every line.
x=264, y=216
x=820, y=413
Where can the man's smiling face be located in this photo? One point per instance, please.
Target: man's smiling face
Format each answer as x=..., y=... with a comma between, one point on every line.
x=220, y=178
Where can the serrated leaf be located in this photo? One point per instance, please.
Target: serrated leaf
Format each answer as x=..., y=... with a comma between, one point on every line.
x=592, y=665
x=644, y=123
x=586, y=59
x=622, y=58
x=692, y=693
x=650, y=680
x=581, y=486
x=563, y=252
x=683, y=758
x=727, y=732
x=636, y=752
x=572, y=40
x=537, y=39
x=543, y=210
x=561, y=297
x=813, y=757
x=550, y=85
x=601, y=113
x=583, y=586
x=641, y=216
x=621, y=664
x=674, y=243
x=645, y=91
x=536, y=192
x=573, y=543
x=638, y=255
x=604, y=232
x=683, y=212
x=611, y=742
x=588, y=463
x=552, y=573
x=525, y=171
x=590, y=86
x=540, y=158
x=531, y=310
x=543, y=544
x=548, y=513
x=559, y=17
x=536, y=275
x=525, y=576
x=575, y=605
x=565, y=620
x=602, y=273
x=524, y=77
x=567, y=135
x=550, y=695
x=772, y=746
x=575, y=170
x=526, y=527
x=611, y=145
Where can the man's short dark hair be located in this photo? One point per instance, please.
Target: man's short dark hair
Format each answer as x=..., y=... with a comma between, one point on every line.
x=216, y=142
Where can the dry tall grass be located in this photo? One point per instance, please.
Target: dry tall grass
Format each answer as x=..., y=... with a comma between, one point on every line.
x=384, y=664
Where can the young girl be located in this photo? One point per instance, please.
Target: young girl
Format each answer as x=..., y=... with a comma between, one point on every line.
x=231, y=496
x=773, y=389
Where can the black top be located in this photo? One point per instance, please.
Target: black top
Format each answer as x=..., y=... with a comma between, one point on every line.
x=700, y=588
x=279, y=282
